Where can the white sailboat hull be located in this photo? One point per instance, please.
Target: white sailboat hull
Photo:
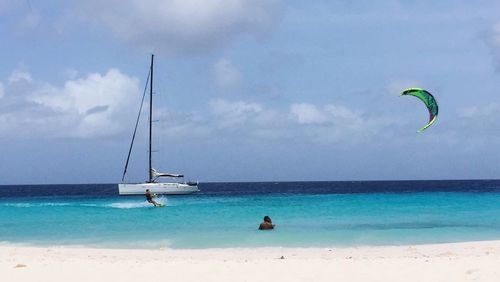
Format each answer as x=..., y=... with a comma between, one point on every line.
x=157, y=188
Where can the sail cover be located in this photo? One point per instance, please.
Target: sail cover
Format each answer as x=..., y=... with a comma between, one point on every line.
x=163, y=174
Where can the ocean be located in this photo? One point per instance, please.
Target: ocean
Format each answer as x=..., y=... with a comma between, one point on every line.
x=221, y=215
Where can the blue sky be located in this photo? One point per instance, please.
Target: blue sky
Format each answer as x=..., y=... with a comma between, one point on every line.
x=249, y=90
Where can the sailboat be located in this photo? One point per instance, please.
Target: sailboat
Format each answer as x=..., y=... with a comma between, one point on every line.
x=169, y=188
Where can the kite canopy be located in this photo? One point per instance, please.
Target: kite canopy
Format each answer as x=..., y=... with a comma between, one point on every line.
x=428, y=100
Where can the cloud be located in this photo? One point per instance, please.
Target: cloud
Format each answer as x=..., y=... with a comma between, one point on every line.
x=482, y=113
x=238, y=121
x=496, y=34
x=255, y=122
x=226, y=75
x=301, y=122
x=71, y=73
x=95, y=102
x=29, y=21
x=182, y=26
x=231, y=114
x=493, y=42
x=90, y=107
x=19, y=75
x=333, y=123
x=305, y=113
x=99, y=105
x=20, y=17
x=477, y=126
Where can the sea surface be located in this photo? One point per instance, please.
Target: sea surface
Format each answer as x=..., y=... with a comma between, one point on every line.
x=306, y=214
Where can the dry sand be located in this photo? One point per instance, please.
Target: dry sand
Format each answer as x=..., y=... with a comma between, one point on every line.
x=471, y=261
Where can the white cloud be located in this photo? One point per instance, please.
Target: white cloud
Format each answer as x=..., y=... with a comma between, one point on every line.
x=225, y=120
x=181, y=26
x=495, y=37
x=71, y=73
x=231, y=114
x=486, y=111
x=2, y=90
x=493, y=42
x=29, y=21
x=89, y=107
x=22, y=16
x=181, y=126
x=254, y=121
x=334, y=123
x=305, y=113
x=96, y=103
x=19, y=75
x=100, y=105
x=469, y=112
x=226, y=75
x=344, y=115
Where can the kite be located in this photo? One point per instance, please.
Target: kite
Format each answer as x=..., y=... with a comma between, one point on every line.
x=428, y=100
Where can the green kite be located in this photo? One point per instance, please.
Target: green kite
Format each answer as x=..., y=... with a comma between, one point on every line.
x=428, y=100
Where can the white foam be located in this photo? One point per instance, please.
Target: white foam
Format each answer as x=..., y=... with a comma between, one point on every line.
x=53, y=204
x=137, y=204
x=18, y=205
x=116, y=205
x=29, y=205
x=129, y=205
x=161, y=200
x=89, y=205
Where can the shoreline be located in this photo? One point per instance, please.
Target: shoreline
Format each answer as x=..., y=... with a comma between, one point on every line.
x=466, y=261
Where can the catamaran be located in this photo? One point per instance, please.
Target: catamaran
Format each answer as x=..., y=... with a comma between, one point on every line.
x=169, y=188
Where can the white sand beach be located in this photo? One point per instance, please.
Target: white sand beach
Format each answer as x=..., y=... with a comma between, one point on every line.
x=470, y=261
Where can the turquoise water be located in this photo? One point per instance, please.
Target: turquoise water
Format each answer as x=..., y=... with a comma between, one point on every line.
x=231, y=220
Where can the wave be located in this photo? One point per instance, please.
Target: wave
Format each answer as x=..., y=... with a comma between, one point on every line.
x=30, y=205
x=116, y=205
x=136, y=205
x=128, y=205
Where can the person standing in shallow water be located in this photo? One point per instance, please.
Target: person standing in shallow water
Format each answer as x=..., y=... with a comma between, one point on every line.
x=267, y=224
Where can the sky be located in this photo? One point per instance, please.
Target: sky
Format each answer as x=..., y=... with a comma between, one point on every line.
x=249, y=90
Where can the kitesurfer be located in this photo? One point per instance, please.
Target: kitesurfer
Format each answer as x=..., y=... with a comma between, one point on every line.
x=267, y=224
x=149, y=198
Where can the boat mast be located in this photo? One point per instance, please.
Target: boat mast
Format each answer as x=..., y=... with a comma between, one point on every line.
x=150, y=172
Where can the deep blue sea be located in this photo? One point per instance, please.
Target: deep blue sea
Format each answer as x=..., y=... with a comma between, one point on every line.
x=306, y=214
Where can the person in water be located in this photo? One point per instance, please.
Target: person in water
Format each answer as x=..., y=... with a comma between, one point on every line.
x=267, y=224
x=149, y=198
